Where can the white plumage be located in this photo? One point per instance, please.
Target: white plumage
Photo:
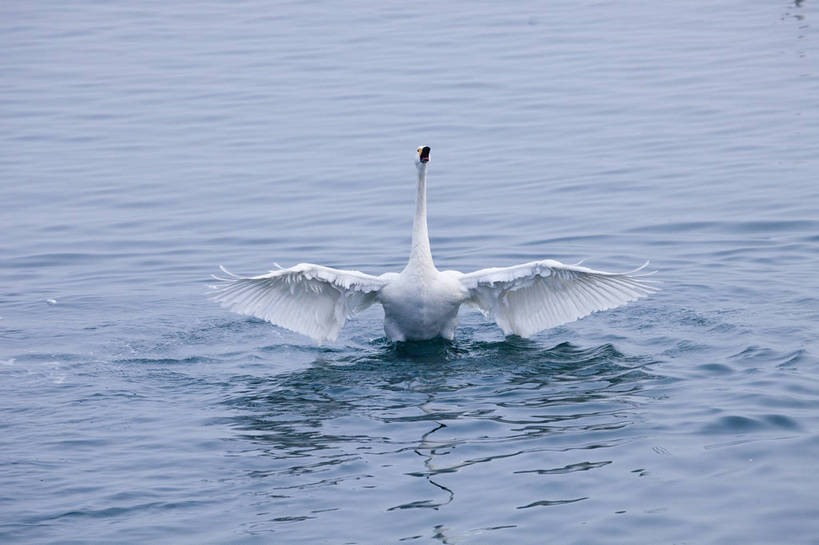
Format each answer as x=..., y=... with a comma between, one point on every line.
x=310, y=299
x=421, y=302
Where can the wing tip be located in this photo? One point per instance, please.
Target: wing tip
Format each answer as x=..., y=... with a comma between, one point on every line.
x=638, y=269
x=227, y=272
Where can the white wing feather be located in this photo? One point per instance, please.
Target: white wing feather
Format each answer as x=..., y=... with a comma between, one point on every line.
x=309, y=299
x=528, y=298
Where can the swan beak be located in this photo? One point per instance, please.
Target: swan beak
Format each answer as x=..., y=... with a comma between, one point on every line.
x=423, y=154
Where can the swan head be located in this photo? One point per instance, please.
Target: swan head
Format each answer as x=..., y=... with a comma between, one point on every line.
x=423, y=156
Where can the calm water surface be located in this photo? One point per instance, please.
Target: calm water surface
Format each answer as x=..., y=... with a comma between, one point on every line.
x=143, y=144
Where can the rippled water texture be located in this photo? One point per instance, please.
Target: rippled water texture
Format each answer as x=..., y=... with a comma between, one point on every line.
x=143, y=144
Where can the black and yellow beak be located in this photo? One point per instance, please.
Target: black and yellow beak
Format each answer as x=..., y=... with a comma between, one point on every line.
x=423, y=154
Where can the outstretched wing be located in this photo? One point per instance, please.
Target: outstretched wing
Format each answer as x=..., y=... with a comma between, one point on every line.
x=309, y=299
x=528, y=298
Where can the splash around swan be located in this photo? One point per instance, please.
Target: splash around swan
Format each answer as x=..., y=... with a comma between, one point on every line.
x=421, y=302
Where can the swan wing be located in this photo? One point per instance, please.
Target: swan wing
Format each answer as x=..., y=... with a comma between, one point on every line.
x=309, y=299
x=534, y=296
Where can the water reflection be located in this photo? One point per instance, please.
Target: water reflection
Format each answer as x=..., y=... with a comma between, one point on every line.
x=409, y=418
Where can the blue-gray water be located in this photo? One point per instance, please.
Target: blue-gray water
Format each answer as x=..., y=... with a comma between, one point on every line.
x=143, y=144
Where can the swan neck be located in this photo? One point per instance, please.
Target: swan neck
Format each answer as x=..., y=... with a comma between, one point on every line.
x=421, y=253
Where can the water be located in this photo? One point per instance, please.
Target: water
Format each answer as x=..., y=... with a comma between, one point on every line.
x=144, y=144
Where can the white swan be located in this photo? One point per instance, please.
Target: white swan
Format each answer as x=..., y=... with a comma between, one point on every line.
x=422, y=302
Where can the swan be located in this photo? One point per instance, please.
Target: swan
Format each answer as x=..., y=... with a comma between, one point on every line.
x=421, y=302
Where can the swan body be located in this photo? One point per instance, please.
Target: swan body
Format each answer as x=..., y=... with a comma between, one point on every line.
x=421, y=302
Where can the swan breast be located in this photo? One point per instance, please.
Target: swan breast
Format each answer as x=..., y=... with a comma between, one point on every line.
x=421, y=306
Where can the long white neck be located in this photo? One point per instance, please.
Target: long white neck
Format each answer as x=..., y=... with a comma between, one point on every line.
x=421, y=253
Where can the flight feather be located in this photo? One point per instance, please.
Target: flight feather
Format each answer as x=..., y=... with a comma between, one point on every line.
x=306, y=298
x=531, y=297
